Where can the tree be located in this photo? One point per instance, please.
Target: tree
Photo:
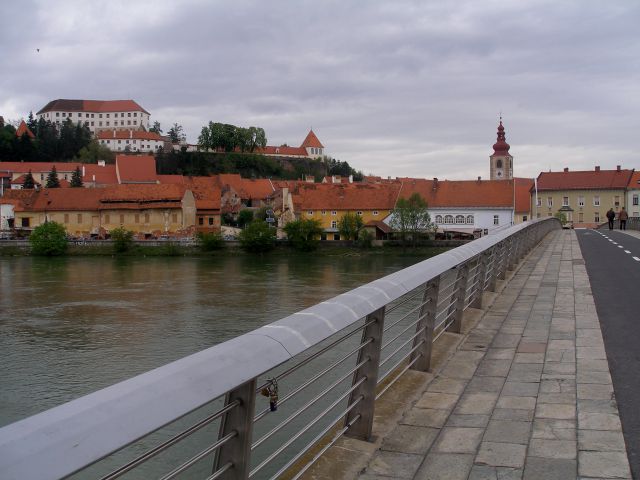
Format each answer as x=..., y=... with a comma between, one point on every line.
x=244, y=217
x=410, y=218
x=176, y=134
x=349, y=225
x=257, y=237
x=48, y=239
x=76, y=178
x=122, y=239
x=303, y=234
x=32, y=123
x=210, y=241
x=52, y=179
x=94, y=151
x=156, y=128
x=29, y=183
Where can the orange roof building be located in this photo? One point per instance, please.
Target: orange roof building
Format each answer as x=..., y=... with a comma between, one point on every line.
x=97, y=114
x=311, y=147
x=24, y=129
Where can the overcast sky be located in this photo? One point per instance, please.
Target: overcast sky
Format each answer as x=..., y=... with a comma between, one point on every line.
x=394, y=88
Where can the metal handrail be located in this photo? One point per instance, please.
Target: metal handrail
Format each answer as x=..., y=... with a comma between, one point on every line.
x=83, y=431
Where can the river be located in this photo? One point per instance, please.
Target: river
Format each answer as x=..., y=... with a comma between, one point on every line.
x=70, y=326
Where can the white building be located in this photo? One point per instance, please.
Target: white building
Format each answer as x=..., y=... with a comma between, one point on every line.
x=97, y=114
x=130, y=140
x=633, y=196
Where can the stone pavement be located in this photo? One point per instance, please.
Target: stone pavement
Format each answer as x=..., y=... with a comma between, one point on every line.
x=527, y=394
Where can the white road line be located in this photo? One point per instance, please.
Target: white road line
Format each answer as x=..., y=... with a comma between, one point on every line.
x=636, y=259
x=615, y=243
x=627, y=251
x=620, y=246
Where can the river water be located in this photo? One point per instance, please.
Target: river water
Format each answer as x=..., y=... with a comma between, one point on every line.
x=70, y=326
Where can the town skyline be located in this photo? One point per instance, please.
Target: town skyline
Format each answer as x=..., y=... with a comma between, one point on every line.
x=415, y=91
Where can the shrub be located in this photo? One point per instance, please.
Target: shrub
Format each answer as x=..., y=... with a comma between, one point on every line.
x=245, y=217
x=257, y=237
x=48, y=239
x=365, y=239
x=303, y=233
x=210, y=241
x=122, y=239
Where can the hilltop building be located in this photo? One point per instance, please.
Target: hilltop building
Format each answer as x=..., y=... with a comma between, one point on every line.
x=97, y=114
x=311, y=147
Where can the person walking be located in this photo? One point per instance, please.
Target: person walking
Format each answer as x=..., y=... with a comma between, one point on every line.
x=611, y=215
x=623, y=216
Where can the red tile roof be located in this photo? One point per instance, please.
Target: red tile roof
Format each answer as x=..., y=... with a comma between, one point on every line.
x=584, y=180
x=101, y=175
x=283, y=150
x=64, y=105
x=38, y=167
x=136, y=169
x=177, y=179
x=22, y=129
x=253, y=189
x=634, y=182
x=206, y=191
x=460, y=193
x=127, y=134
x=325, y=196
x=523, y=195
x=311, y=141
x=20, y=180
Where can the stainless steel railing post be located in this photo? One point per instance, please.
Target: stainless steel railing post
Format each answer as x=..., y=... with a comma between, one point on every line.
x=239, y=420
x=461, y=293
x=428, y=318
x=362, y=428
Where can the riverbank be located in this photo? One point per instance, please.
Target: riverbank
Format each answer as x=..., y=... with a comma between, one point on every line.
x=12, y=248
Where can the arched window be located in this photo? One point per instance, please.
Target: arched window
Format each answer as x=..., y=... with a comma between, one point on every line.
x=459, y=218
x=470, y=219
x=448, y=219
x=438, y=218
x=499, y=164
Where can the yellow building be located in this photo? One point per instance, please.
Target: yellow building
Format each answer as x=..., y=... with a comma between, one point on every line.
x=583, y=197
x=147, y=210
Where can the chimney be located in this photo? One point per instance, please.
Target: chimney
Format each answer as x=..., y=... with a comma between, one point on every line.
x=351, y=178
x=435, y=183
x=597, y=168
x=617, y=168
x=566, y=169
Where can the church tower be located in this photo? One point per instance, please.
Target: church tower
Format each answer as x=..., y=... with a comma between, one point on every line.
x=501, y=162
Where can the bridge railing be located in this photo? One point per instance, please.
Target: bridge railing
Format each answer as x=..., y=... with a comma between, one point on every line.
x=321, y=370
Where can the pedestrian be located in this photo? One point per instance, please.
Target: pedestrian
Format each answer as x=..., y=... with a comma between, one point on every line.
x=611, y=215
x=623, y=216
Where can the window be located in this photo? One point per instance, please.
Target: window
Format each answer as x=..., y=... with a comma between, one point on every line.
x=99, y=115
x=323, y=212
x=79, y=218
x=580, y=217
x=107, y=218
x=334, y=213
x=581, y=201
x=107, y=115
x=135, y=122
x=549, y=214
x=549, y=202
x=448, y=219
x=25, y=221
x=200, y=221
x=616, y=201
x=459, y=218
x=135, y=114
x=524, y=218
x=499, y=164
x=596, y=201
x=336, y=236
x=107, y=124
x=129, y=114
x=210, y=220
x=359, y=212
x=596, y=217
x=565, y=201
x=136, y=218
x=122, y=122
x=438, y=218
x=539, y=202
x=635, y=199
x=496, y=220
x=66, y=218
x=99, y=124
x=334, y=224
x=122, y=115
x=375, y=213
x=92, y=124
x=310, y=213
x=146, y=218
x=127, y=142
x=174, y=218
x=121, y=219
x=57, y=114
x=128, y=122
x=470, y=219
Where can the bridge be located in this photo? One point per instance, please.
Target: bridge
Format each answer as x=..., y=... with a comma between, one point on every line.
x=487, y=361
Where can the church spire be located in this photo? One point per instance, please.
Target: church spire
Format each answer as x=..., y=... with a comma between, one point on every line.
x=501, y=147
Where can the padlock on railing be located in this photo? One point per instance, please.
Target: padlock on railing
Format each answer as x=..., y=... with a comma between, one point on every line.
x=271, y=391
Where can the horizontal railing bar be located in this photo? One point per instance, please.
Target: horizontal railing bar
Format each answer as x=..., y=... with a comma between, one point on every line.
x=451, y=284
x=444, y=329
x=406, y=315
x=316, y=355
x=390, y=371
x=195, y=459
x=320, y=435
x=278, y=451
x=408, y=299
x=447, y=297
x=335, y=438
x=306, y=406
x=220, y=471
x=172, y=441
x=397, y=377
x=412, y=324
x=404, y=344
x=446, y=318
x=313, y=379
